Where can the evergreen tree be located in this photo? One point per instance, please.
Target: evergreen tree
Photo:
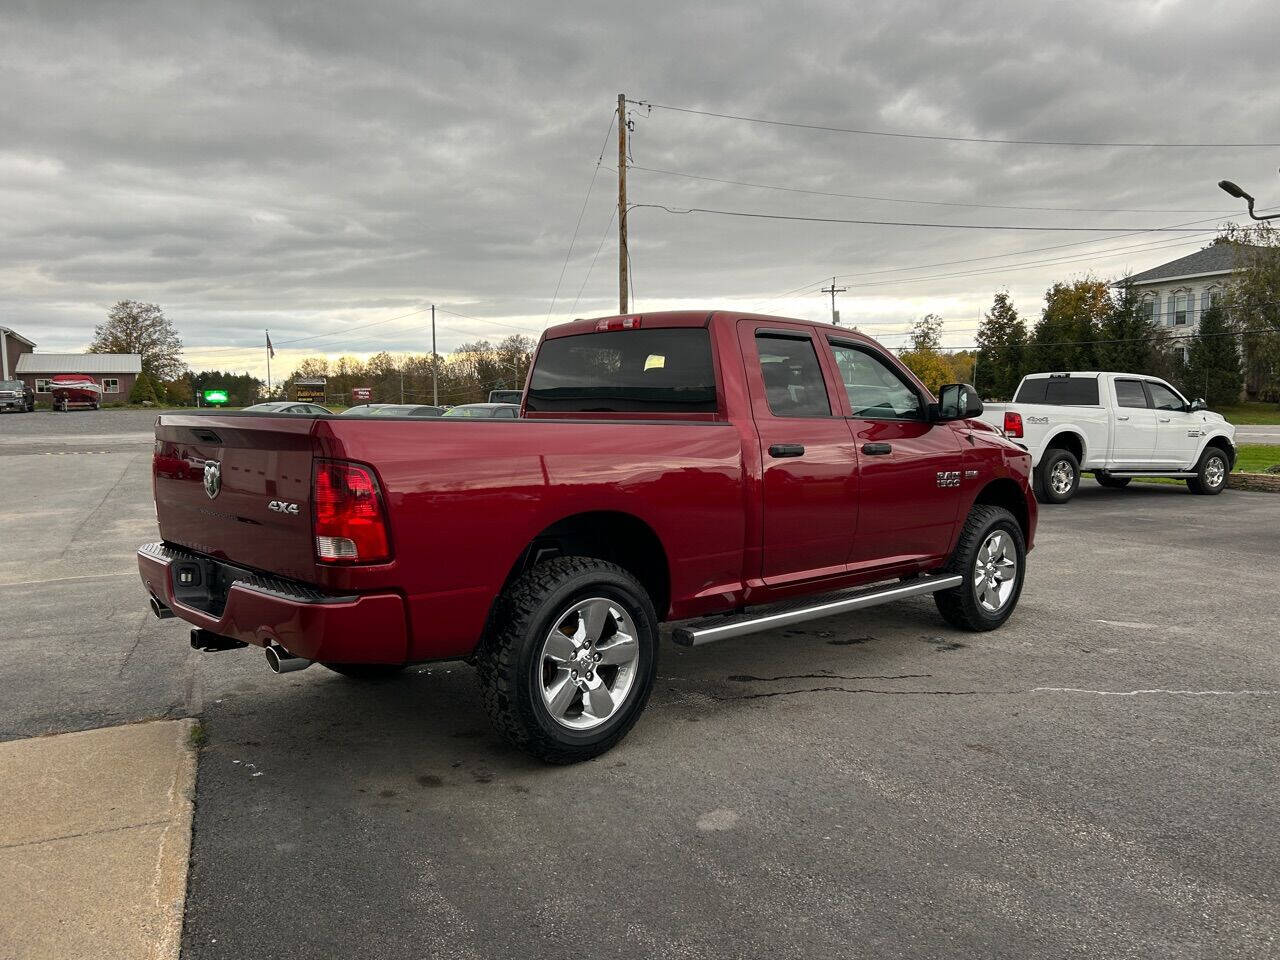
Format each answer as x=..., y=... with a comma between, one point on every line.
x=1130, y=341
x=1002, y=344
x=1214, y=368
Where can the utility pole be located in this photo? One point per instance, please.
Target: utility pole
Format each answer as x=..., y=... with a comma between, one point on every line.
x=622, y=203
x=833, y=290
x=435, y=384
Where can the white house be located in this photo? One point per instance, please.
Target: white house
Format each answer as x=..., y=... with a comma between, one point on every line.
x=1176, y=294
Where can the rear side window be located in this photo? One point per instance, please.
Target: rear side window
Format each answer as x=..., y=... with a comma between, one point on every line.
x=653, y=371
x=792, y=376
x=1129, y=393
x=1060, y=391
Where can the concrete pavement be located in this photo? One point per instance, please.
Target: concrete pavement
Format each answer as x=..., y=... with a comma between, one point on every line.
x=95, y=832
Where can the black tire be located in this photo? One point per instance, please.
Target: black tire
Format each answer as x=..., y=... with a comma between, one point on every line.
x=1056, y=464
x=1112, y=483
x=1211, y=473
x=510, y=666
x=960, y=606
x=366, y=671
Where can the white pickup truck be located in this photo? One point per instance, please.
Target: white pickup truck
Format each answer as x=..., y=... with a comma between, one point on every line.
x=1117, y=425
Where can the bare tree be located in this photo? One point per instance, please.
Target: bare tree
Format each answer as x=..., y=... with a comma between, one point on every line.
x=142, y=328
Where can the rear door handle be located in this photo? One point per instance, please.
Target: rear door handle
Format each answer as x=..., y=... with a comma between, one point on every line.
x=1164, y=419
x=877, y=449
x=1122, y=418
x=780, y=450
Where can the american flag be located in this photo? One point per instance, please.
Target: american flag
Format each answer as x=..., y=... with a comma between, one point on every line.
x=271, y=351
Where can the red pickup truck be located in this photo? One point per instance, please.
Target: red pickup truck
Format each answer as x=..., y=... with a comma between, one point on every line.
x=728, y=471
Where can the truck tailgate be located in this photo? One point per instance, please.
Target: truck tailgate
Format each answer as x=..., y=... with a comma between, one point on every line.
x=238, y=488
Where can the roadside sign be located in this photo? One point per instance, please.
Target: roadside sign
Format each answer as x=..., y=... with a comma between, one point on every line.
x=361, y=395
x=215, y=396
x=310, y=390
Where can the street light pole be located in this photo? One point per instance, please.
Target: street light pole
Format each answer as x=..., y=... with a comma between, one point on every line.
x=1239, y=194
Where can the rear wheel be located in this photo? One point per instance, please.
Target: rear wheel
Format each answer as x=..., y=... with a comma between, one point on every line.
x=366, y=671
x=569, y=660
x=1110, y=482
x=1057, y=477
x=991, y=558
x=1211, y=473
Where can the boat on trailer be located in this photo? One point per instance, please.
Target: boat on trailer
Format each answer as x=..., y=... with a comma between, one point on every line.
x=75, y=390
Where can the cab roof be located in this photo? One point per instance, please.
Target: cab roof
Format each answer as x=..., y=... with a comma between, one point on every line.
x=683, y=318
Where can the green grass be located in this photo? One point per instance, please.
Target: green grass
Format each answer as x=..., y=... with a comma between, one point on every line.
x=1256, y=457
x=197, y=736
x=1251, y=413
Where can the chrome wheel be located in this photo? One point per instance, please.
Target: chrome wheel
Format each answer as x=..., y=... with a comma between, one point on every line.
x=587, y=666
x=1061, y=478
x=1215, y=471
x=995, y=572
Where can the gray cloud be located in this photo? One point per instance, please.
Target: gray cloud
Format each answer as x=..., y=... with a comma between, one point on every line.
x=316, y=167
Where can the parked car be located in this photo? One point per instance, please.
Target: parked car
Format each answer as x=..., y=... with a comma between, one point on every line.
x=16, y=395
x=393, y=410
x=1117, y=425
x=506, y=396
x=75, y=390
x=485, y=411
x=285, y=406
x=697, y=467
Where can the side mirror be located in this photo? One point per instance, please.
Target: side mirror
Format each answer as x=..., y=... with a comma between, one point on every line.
x=957, y=401
x=1197, y=405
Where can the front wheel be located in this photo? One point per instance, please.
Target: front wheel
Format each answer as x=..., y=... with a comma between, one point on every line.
x=569, y=659
x=991, y=559
x=1057, y=477
x=1211, y=473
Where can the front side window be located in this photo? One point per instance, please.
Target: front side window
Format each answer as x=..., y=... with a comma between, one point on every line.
x=793, y=382
x=646, y=370
x=1129, y=393
x=875, y=389
x=1162, y=398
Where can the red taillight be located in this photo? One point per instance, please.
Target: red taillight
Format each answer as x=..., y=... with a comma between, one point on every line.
x=1012, y=424
x=350, y=525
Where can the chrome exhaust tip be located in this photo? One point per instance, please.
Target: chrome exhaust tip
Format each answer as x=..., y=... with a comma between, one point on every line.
x=160, y=610
x=281, y=660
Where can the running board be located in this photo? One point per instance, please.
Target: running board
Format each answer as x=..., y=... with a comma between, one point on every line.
x=1136, y=474
x=786, y=614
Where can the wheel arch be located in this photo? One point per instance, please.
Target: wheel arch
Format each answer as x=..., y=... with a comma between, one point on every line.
x=1223, y=443
x=615, y=536
x=1070, y=440
x=1006, y=492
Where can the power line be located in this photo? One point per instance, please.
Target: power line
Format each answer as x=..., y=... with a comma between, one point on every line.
x=935, y=203
x=572, y=240
x=681, y=211
x=603, y=236
x=951, y=139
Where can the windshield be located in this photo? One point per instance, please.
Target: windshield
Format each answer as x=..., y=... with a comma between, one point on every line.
x=475, y=413
x=10, y=384
x=660, y=370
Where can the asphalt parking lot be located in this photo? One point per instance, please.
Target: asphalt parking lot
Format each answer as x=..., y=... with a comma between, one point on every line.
x=1096, y=779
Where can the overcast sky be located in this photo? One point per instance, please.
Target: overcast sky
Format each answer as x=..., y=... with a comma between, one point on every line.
x=314, y=168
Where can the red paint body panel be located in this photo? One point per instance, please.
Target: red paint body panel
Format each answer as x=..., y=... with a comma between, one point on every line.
x=370, y=629
x=465, y=498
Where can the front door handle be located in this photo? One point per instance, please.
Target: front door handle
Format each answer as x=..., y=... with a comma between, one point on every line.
x=877, y=449
x=1164, y=419
x=1122, y=418
x=780, y=450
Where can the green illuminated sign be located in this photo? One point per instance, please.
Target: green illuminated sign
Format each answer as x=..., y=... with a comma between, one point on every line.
x=215, y=396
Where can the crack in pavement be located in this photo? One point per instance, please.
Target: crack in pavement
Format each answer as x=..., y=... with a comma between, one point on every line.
x=887, y=693
x=747, y=678
x=90, y=515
